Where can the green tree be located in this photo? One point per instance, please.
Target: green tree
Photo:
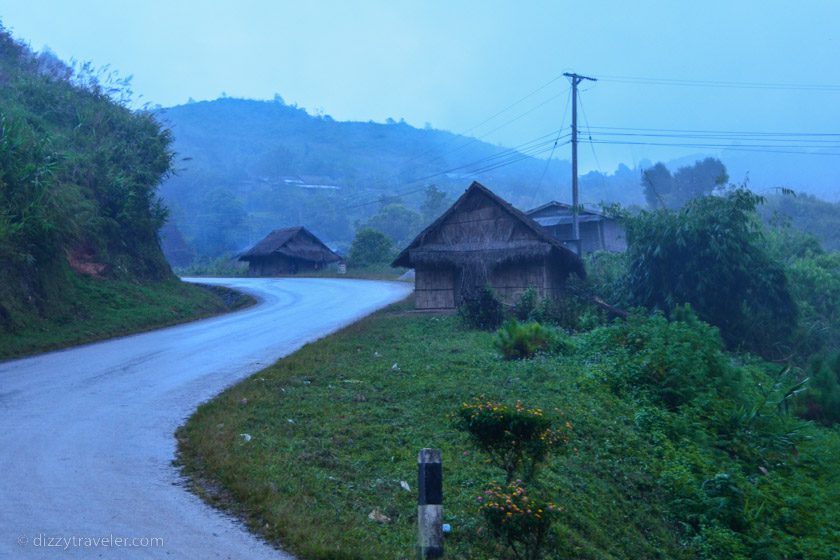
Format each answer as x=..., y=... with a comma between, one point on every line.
x=398, y=222
x=658, y=183
x=370, y=247
x=664, y=190
x=222, y=221
x=710, y=255
x=434, y=204
x=821, y=401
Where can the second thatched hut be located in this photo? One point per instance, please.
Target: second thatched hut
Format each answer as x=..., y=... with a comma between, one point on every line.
x=484, y=241
x=288, y=251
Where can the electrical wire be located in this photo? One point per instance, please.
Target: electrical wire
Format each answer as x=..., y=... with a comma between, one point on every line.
x=493, y=116
x=739, y=148
x=589, y=134
x=829, y=88
x=705, y=131
x=507, y=157
x=538, y=185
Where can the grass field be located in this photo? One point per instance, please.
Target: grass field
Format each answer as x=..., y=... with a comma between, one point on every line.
x=101, y=309
x=335, y=428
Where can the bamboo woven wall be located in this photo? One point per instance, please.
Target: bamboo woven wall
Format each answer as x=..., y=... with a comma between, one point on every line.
x=511, y=279
x=434, y=288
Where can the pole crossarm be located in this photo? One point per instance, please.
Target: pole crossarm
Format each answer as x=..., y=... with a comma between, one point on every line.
x=575, y=79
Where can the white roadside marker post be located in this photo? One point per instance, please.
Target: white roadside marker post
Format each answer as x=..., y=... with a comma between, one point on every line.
x=429, y=504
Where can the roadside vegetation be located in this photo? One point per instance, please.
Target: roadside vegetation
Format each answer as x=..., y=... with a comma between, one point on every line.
x=80, y=258
x=678, y=450
x=681, y=402
x=99, y=310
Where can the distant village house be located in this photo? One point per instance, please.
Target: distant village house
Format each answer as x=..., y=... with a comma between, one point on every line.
x=484, y=241
x=597, y=231
x=288, y=251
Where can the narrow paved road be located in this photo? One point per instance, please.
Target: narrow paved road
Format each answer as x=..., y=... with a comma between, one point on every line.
x=86, y=434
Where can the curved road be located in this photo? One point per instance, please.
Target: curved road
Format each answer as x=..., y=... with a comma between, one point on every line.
x=86, y=434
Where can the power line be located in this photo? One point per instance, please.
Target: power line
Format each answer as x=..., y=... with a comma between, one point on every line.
x=514, y=104
x=724, y=140
x=494, y=115
x=551, y=155
x=473, y=140
x=517, y=159
x=703, y=131
x=521, y=148
x=758, y=141
x=513, y=152
x=509, y=156
x=740, y=148
x=721, y=84
x=589, y=134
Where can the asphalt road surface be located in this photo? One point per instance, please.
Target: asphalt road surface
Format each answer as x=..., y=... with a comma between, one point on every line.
x=86, y=434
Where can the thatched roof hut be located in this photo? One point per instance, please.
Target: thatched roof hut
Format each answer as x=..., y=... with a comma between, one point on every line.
x=288, y=251
x=484, y=241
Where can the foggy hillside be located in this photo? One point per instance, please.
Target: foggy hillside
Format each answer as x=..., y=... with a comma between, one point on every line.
x=246, y=167
x=264, y=165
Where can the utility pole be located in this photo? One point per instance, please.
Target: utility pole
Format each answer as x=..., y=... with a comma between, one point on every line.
x=575, y=79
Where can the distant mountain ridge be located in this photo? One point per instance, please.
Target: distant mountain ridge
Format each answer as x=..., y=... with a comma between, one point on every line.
x=264, y=165
x=234, y=139
x=246, y=167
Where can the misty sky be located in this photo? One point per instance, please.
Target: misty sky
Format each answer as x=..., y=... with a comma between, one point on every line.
x=455, y=63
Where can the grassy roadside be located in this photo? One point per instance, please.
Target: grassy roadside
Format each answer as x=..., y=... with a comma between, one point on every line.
x=336, y=427
x=226, y=268
x=102, y=309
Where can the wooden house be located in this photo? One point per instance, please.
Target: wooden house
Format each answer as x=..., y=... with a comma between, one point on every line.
x=597, y=231
x=288, y=251
x=484, y=241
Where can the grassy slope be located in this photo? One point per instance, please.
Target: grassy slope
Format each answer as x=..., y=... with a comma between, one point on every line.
x=103, y=309
x=335, y=430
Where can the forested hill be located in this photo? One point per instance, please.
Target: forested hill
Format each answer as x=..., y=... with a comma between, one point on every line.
x=78, y=179
x=247, y=167
x=238, y=140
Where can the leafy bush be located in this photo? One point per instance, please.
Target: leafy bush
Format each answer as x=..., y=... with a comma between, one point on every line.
x=521, y=522
x=606, y=277
x=821, y=399
x=517, y=341
x=710, y=254
x=514, y=437
x=573, y=310
x=481, y=310
x=815, y=285
x=694, y=397
x=672, y=361
x=526, y=306
x=370, y=247
x=570, y=311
